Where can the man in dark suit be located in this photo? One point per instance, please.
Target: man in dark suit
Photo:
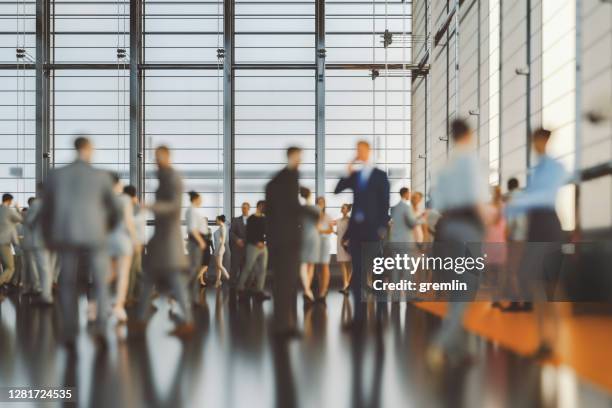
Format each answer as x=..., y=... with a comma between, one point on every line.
x=283, y=216
x=238, y=242
x=369, y=219
x=79, y=211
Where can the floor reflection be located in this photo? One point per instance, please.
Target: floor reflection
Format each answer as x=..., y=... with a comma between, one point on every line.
x=234, y=361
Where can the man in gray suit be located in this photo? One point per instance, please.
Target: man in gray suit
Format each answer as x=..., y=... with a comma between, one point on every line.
x=403, y=219
x=166, y=260
x=78, y=213
x=9, y=218
x=38, y=257
x=238, y=241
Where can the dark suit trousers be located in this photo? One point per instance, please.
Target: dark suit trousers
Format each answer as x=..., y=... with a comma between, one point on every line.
x=77, y=266
x=285, y=264
x=361, y=259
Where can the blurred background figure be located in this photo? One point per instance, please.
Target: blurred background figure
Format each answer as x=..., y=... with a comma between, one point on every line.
x=140, y=225
x=166, y=261
x=495, y=241
x=459, y=195
x=256, y=255
x=38, y=255
x=311, y=243
x=121, y=245
x=237, y=233
x=404, y=221
x=80, y=209
x=369, y=218
x=197, y=227
x=419, y=232
x=326, y=228
x=342, y=255
x=284, y=215
x=9, y=219
x=220, y=238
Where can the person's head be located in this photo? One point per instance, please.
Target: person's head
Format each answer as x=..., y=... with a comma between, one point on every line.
x=220, y=219
x=363, y=151
x=539, y=139
x=162, y=156
x=130, y=191
x=245, y=208
x=345, y=209
x=461, y=132
x=7, y=199
x=404, y=193
x=261, y=207
x=195, y=198
x=512, y=184
x=416, y=198
x=30, y=201
x=321, y=203
x=294, y=157
x=305, y=193
x=84, y=148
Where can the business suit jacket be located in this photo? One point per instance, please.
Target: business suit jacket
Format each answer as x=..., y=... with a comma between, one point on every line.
x=165, y=250
x=283, y=210
x=370, y=213
x=79, y=207
x=237, y=231
x=9, y=218
x=403, y=222
x=33, y=236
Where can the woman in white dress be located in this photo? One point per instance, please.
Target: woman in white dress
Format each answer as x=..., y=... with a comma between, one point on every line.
x=220, y=237
x=342, y=255
x=121, y=245
x=325, y=228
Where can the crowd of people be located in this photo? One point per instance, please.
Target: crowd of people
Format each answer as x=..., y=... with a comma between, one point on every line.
x=86, y=230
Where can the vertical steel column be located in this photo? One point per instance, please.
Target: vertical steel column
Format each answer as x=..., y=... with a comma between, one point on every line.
x=228, y=108
x=136, y=137
x=320, y=98
x=43, y=153
x=528, y=87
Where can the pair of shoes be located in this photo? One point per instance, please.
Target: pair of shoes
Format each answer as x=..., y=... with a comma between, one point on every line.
x=518, y=307
x=218, y=284
x=344, y=291
x=308, y=299
x=183, y=331
x=322, y=300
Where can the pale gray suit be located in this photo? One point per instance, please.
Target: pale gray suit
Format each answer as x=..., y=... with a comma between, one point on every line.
x=78, y=213
x=403, y=222
x=37, y=255
x=165, y=259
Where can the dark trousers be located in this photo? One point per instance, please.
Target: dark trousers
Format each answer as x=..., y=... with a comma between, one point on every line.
x=362, y=255
x=285, y=265
x=78, y=266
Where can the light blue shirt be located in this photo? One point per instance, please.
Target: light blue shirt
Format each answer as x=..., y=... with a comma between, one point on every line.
x=543, y=183
x=461, y=183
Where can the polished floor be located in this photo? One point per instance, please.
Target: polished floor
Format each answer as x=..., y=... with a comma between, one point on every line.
x=233, y=361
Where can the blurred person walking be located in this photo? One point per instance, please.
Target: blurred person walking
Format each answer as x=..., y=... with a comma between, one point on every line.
x=39, y=258
x=9, y=218
x=79, y=211
x=495, y=242
x=541, y=263
x=404, y=222
x=459, y=196
x=122, y=243
x=342, y=255
x=165, y=259
x=283, y=216
x=140, y=226
x=419, y=232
